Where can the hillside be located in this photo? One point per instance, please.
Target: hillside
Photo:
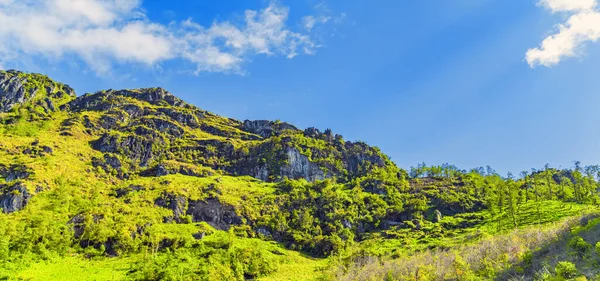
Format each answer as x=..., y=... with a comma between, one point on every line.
x=137, y=184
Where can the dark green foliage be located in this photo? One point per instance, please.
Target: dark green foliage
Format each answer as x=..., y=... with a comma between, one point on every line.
x=580, y=246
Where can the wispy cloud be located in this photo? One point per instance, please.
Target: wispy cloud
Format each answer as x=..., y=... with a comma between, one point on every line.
x=104, y=32
x=582, y=26
x=310, y=21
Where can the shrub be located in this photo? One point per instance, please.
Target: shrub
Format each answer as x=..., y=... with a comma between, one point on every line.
x=566, y=269
x=581, y=247
x=186, y=219
x=527, y=259
x=598, y=248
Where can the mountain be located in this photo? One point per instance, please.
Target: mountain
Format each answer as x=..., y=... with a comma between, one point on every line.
x=139, y=184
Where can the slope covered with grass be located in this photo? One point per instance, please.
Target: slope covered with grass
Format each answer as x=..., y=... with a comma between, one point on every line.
x=139, y=185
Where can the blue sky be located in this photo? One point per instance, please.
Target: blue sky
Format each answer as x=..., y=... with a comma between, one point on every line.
x=426, y=81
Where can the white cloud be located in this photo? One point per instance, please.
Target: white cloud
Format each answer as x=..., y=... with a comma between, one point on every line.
x=102, y=32
x=310, y=21
x=568, y=5
x=582, y=26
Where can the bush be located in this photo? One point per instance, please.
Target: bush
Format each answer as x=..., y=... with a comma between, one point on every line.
x=186, y=219
x=598, y=248
x=580, y=246
x=566, y=269
x=528, y=260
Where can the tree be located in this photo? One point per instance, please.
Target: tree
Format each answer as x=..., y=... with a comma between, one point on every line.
x=511, y=192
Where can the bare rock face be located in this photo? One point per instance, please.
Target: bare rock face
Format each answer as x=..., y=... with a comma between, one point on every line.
x=266, y=128
x=12, y=92
x=136, y=147
x=300, y=167
x=18, y=88
x=14, y=197
x=213, y=212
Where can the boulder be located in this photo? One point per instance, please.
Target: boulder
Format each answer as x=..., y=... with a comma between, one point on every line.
x=14, y=197
x=14, y=172
x=213, y=212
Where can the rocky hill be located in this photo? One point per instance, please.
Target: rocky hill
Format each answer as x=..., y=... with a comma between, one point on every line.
x=122, y=137
x=137, y=183
x=150, y=130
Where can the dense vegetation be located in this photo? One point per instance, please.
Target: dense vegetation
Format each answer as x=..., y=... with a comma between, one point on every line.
x=139, y=185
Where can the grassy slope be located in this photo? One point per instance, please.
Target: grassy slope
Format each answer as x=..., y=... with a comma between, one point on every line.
x=73, y=186
x=528, y=253
x=480, y=225
x=293, y=266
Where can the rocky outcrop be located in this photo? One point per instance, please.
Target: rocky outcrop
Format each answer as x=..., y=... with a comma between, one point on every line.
x=122, y=110
x=78, y=224
x=122, y=192
x=356, y=154
x=156, y=96
x=266, y=128
x=168, y=169
x=14, y=172
x=19, y=88
x=176, y=203
x=183, y=117
x=164, y=126
x=13, y=197
x=12, y=92
x=139, y=148
x=110, y=164
x=213, y=212
x=106, y=100
x=36, y=150
x=298, y=166
x=275, y=160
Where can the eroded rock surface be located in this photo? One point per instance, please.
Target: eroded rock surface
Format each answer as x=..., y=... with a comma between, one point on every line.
x=14, y=197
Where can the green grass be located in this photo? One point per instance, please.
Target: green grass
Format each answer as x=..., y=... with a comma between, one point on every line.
x=406, y=241
x=291, y=265
x=71, y=268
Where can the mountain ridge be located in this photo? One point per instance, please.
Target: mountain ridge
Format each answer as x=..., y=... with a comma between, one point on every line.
x=137, y=134
x=151, y=110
